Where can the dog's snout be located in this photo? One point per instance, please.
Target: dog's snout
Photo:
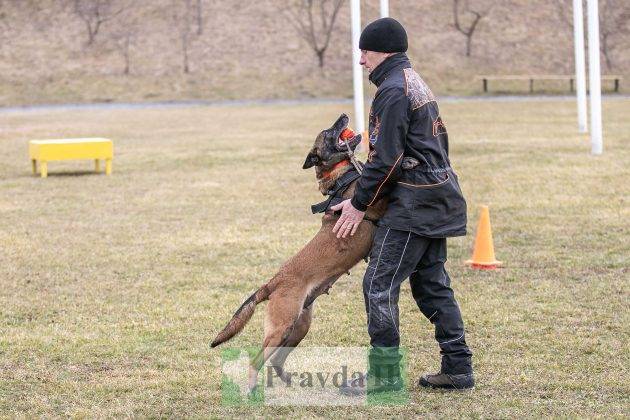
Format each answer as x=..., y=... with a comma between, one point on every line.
x=341, y=123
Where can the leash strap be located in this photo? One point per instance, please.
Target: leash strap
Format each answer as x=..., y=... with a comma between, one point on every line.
x=357, y=165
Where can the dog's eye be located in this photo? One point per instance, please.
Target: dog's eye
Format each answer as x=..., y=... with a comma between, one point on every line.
x=314, y=159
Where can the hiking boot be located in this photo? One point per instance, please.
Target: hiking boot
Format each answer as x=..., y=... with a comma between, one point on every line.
x=356, y=388
x=446, y=381
x=370, y=384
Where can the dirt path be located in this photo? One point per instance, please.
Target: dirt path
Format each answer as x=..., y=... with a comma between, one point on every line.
x=276, y=102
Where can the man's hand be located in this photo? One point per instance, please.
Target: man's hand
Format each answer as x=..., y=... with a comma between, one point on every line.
x=348, y=221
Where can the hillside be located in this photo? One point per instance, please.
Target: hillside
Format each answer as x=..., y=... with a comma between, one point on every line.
x=249, y=49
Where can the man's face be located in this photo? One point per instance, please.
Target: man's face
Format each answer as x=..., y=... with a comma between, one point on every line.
x=371, y=59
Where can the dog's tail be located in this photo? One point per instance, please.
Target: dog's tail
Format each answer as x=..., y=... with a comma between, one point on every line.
x=242, y=316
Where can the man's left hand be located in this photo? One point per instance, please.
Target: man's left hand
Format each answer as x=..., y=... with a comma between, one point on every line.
x=349, y=220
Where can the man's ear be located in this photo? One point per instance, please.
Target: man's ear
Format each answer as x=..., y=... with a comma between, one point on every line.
x=311, y=160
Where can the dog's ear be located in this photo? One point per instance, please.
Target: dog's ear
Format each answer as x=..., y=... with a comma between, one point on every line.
x=311, y=160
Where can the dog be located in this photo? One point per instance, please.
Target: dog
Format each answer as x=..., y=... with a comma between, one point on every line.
x=315, y=268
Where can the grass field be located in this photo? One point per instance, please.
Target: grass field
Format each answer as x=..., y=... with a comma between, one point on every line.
x=112, y=287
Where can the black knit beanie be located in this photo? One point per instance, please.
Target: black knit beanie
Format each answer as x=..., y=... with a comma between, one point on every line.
x=384, y=35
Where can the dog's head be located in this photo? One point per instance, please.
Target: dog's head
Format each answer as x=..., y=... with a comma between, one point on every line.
x=330, y=148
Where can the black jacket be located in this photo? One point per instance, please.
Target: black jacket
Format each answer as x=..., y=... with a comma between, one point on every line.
x=408, y=158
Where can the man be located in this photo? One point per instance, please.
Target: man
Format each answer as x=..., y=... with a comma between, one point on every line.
x=408, y=164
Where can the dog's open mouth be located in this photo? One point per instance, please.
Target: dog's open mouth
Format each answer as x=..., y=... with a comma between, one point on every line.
x=346, y=134
x=347, y=138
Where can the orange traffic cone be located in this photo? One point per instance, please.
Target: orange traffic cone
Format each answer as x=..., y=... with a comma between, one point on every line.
x=483, y=254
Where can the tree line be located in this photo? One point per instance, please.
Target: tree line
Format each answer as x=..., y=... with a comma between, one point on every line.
x=314, y=21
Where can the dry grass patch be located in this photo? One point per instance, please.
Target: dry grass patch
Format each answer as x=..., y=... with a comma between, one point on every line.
x=112, y=287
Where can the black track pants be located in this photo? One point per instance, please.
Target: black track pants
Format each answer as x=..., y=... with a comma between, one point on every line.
x=395, y=256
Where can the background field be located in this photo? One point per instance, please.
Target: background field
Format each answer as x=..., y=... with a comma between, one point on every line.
x=249, y=49
x=112, y=287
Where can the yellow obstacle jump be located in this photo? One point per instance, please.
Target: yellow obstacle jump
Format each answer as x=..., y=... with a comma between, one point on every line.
x=44, y=151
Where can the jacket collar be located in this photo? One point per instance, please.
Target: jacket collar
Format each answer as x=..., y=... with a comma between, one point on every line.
x=396, y=61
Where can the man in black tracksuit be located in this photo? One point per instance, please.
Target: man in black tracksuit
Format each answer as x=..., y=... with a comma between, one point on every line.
x=408, y=164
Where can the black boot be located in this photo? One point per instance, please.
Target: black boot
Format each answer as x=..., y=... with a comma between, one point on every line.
x=446, y=381
x=368, y=384
x=383, y=374
x=356, y=387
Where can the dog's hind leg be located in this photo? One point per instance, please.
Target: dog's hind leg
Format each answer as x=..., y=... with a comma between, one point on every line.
x=281, y=319
x=300, y=330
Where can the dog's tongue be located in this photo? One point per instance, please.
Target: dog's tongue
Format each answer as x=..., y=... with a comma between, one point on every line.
x=346, y=134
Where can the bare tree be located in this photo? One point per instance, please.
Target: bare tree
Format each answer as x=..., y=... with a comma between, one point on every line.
x=199, y=15
x=314, y=21
x=94, y=13
x=565, y=12
x=3, y=13
x=475, y=15
x=123, y=43
x=614, y=27
x=3, y=24
x=182, y=17
x=124, y=35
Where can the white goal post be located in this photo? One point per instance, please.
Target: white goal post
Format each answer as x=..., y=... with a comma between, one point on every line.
x=357, y=71
x=580, y=70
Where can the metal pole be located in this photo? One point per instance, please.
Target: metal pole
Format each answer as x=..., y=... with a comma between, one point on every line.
x=357, y=71
x=384, y=8
x=580, y=67
x=595, y=82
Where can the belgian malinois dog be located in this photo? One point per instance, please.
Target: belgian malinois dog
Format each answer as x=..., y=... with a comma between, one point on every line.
x=314, y=269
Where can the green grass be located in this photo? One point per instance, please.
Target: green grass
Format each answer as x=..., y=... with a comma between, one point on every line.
x=112, y=287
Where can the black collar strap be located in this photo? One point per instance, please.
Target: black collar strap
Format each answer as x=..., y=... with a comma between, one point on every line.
x=336, y=193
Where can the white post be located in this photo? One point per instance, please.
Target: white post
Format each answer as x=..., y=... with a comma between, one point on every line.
x=357, y=71
x=595, y=82
x=384, y=8
x=580, y=67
